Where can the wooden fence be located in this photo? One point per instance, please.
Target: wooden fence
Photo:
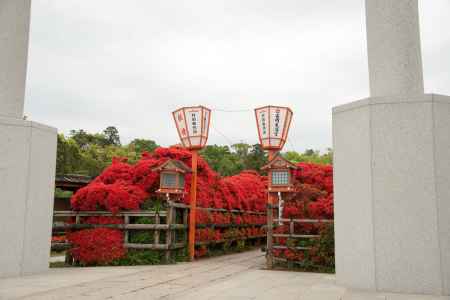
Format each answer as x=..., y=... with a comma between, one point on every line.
x=172, y=220
x=291, y=234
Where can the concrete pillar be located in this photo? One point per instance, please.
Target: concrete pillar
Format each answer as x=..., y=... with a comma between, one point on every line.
x=27, y=156
x=393, y=47
x=14, y=28
x=392, y=167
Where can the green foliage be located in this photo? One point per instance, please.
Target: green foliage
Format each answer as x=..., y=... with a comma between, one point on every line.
x=141, y=145
x=68, y=155
x=59, y=193
x=240, y=157
x=139, y=257
x=89, y=154
x=181, y=255
x=310, y=156
x=112, y=136
x=141, y=237
x=325, y=246
x=240, y=246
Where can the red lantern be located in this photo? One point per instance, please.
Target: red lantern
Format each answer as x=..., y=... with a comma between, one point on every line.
x=273, y=124
x=193, y=126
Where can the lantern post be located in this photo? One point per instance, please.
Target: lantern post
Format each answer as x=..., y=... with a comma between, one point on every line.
x=273, y=124
x=193, y=129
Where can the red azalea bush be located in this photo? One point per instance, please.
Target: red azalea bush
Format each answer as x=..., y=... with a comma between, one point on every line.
x=313, y=199
x=97, y=246
x=123, y=186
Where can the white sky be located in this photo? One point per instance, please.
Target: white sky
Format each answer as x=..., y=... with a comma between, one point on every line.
x=130, y=63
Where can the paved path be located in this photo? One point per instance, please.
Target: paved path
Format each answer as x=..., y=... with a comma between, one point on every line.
x=238, y=276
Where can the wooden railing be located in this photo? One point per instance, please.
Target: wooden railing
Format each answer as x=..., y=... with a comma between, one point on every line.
x=172, y=219
x=217, y=226
x=161, y=220
x=271, y=242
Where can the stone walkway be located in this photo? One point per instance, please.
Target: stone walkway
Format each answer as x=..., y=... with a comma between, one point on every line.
x=238, y=276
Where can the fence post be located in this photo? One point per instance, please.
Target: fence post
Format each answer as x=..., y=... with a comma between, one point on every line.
x=156, y=232
x=69, y=258
x=269, y=248
x=126, y=222
x=169, y=219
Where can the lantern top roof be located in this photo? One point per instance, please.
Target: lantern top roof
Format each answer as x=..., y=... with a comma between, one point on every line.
x=275, y=106
x=279, y=162
x=173, y=165
x=193, y=106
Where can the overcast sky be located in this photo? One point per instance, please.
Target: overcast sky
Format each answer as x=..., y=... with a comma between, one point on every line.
x=130, y=63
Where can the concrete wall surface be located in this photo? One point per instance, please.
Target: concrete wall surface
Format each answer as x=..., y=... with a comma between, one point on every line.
x=393, y=47
x=27, y=171
x=14, y=28
x=392, y=194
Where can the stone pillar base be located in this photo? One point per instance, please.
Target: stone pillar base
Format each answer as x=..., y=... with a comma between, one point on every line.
x=27, y=179
x=392, y=194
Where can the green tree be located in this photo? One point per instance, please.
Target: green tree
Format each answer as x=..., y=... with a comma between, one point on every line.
x=141, y=145
x=222, y=160
x=68, y=155
x=112, y=136
x=256, y=159
x=310, y=156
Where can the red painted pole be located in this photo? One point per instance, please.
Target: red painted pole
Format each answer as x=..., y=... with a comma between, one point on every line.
x=270, y=202
x=192, y=214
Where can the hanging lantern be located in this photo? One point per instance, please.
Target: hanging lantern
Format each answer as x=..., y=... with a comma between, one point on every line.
x=193, y=126
x=273, y=124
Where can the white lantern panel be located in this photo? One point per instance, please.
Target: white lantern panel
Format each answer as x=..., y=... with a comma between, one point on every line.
x=277, y=123
x=206, y=114
x=180, y=123
x=288, y=123
x=194, y=121
x=263, y=122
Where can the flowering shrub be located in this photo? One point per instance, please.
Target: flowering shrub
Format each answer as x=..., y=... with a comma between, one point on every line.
x=123, y=186
x=312, y=199
x=97, y=246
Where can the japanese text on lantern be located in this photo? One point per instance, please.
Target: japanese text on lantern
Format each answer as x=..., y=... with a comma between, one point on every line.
x=194, y=120
x=194, y=124
x=263, y=123
x=277, y=123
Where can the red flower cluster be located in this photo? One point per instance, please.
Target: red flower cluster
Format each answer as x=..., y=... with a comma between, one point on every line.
x=205, y=217
x=97, y=246
x=122, y=186
x=125, y=187
x=113, y=197
x=313, y=199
